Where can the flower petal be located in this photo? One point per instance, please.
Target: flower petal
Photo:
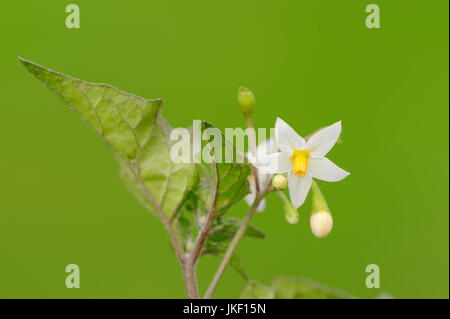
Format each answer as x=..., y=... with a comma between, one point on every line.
x=250, y=198
x=287, y=139
x=252, y=183
x=263, y=180
x=262, y=206
x=298, y=188
x=321, y=143
x=276, y=163
x=324, y=169
x=268, y=146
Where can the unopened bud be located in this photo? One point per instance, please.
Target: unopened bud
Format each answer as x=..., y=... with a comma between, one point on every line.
x=279, y=182
x=290, y=212
x=321, y=220
x=321, y=223
x=246, y=100
x=291, y=215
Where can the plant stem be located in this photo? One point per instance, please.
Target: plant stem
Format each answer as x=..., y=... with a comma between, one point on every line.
x=188, y=269
x=190, y=259
x=189, y=277
x=203, y=235
x=190, y=280
x=232, y=247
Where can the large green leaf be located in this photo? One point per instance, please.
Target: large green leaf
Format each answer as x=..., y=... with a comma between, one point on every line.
x=302, y=288
x=223, y=182
x=256, y=290
x=134, y=130
x=296, y=288
x=293, y=288
x=221, y=233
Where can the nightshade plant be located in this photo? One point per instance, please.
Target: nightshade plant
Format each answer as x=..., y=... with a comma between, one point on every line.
x=192, y=198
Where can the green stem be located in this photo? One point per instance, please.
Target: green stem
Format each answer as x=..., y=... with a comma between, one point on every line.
x=190, y=280
x=232, y=247
x=188, y=271
x=318, y=200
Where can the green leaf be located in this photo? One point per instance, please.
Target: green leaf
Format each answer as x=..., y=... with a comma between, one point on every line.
x=226, y=176
x=302, y=288
x=236, y=264
x=134, y=130
x=256, y=290
x=221, y=234
x=292, y=288
x=219, y=249
x=224, y=231
x=132, y=185
x=233, y=224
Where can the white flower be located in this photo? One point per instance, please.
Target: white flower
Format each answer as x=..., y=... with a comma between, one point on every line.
x=321, y=223
x=264, y=148
x=302, y=160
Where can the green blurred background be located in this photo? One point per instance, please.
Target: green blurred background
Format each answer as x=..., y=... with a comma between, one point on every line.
x=309, y=62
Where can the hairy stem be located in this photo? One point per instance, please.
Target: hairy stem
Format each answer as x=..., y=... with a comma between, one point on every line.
x=190, y=261
x=232, y=247
x=203, y=235
x=188, y=273
x=190, y=280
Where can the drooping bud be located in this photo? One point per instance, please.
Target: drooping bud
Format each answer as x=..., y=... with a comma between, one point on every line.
x=246, y=100
x=279, y=182
x=321, y=220
x=321, y=223
x=290, y=212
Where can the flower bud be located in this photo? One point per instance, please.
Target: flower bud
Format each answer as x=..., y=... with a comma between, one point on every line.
x=246, y=100
x=321, y=220
x=321, y=223
x=279, y=182
x=290, y=212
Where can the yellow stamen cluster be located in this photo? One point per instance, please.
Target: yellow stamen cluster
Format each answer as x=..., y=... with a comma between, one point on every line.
x=300, y=162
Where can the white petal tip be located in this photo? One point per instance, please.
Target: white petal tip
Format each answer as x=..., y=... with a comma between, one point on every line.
x=279, y=120
x=345, y=175
x=261, y=207
x=297, y=204
x=338, y=124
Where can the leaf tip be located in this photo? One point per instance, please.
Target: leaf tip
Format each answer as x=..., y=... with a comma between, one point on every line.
x=27, y=64
x=22, y=60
